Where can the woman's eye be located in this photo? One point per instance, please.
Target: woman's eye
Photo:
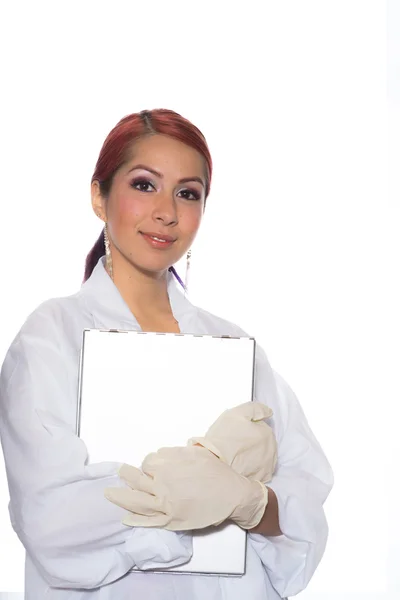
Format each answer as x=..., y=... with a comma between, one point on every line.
x=190, y=194
x=142, y=185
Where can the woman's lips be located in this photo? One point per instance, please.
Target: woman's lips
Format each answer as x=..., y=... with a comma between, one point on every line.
x=158, y=241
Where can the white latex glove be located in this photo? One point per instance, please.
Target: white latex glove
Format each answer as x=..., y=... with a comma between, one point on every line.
x=242, y=439
x=188, y=488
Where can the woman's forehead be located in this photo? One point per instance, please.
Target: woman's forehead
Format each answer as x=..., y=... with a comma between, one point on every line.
x=163, y=153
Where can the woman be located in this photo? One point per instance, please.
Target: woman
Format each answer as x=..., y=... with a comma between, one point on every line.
x=149, y=189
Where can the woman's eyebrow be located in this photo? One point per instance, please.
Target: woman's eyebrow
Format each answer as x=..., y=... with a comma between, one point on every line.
x=146, y=169
x=187, y=179
x=157, y=174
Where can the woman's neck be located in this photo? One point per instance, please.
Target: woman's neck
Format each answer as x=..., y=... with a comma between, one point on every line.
x=146, y=294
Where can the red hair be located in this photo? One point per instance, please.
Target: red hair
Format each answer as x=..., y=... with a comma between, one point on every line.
x=118, y=144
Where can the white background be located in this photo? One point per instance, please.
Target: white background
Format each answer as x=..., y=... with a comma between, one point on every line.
x=298, y=243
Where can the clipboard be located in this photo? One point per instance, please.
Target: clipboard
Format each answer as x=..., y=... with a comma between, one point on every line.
x=141, y=391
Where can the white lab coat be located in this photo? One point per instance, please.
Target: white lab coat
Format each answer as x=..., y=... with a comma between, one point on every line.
x=76, y=546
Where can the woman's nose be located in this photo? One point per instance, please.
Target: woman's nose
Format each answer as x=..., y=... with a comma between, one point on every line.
x=165, y=209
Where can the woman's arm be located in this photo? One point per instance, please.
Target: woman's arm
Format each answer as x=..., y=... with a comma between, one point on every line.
x=269, y=524
x=300, y=485
x=72, y=533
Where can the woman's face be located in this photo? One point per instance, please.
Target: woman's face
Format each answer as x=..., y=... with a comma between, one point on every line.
x=159, y=192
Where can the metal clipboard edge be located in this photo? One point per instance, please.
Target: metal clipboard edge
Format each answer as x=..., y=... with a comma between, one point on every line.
x=80, y=376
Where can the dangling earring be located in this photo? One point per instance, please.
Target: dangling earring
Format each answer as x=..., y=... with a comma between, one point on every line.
x=188, y=257
x=109, y=264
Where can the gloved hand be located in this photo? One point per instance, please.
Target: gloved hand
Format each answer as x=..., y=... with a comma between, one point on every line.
x=188, y=488
x=242, y=439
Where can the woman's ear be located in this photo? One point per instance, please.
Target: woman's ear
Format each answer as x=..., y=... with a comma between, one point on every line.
x=98, y=203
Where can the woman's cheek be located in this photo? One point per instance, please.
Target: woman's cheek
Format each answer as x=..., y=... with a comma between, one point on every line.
x=130, y=209
x=195, y=221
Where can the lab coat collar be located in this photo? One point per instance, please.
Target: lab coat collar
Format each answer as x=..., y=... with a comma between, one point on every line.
x=109, y=309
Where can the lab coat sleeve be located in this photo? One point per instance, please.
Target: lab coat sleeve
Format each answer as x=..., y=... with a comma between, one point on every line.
x=302, y=482
x=72, y=533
